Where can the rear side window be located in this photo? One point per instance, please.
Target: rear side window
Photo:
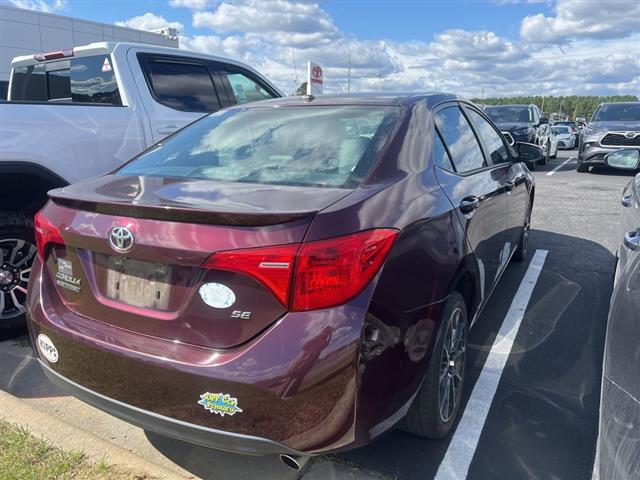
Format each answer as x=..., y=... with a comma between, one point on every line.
x=492, y=140
x=460, y=140
x=182, y=86
x=440, y=155
x=307, y=146
x=77, y=80
x=245, y=89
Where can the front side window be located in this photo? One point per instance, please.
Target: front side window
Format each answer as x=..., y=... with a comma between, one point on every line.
x=182, y=85
x=77, y=80
x=460, y=140
x=492, y=140
x=245, y=89
x=308, y=146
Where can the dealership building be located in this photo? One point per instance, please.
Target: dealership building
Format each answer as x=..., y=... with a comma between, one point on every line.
x=25, y=32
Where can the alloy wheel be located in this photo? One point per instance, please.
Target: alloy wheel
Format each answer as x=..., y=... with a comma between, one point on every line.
x=452, y=366
x=16, y=257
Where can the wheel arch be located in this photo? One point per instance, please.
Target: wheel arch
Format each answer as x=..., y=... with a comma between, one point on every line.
x=37, y=179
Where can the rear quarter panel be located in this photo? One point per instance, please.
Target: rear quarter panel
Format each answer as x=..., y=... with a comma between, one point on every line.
x=424, y=263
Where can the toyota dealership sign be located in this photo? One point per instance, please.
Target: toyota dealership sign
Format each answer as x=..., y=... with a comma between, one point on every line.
x=315, y=78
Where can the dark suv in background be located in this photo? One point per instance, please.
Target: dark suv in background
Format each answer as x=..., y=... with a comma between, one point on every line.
x=523, y=123
x=612, y=126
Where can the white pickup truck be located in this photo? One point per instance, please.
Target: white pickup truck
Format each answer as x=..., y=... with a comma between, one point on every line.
x=77, y=113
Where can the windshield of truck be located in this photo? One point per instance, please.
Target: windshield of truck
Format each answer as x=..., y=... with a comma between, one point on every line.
x=618, y=112
x=308, y=146
x=509, y=114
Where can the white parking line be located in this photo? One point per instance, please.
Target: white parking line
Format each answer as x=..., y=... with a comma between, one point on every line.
x=560, y=166
x=456, y=462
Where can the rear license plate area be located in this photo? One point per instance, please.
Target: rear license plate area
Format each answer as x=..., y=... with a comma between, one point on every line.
x=137, y=283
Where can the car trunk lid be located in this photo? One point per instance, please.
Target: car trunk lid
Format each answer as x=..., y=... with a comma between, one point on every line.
x=156, y=286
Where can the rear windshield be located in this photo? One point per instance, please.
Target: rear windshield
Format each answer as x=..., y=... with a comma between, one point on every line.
x=75, y=80
x=514, y=114
x=561, y=130
x=620, y=112
x=308, y=146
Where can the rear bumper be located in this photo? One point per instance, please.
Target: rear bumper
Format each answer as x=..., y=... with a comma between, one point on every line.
x=198, y=435
x=295, y=383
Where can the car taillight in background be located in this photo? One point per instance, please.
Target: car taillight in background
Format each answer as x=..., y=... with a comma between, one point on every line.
x=313, y=275
x=46, y=232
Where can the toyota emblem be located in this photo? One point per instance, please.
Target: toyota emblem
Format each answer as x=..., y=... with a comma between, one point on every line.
x=121, y=239
x=630, y=134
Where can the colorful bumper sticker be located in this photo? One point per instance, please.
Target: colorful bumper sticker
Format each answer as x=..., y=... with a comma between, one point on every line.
x=220, y=403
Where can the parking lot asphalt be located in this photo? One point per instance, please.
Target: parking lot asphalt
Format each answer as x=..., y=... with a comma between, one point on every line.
x=541, y=421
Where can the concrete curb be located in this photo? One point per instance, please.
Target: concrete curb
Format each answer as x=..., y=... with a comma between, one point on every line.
x=68, y=437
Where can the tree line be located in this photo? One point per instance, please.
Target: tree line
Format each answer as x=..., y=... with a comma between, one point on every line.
x=573, y=106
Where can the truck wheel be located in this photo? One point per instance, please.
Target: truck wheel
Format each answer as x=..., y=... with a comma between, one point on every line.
x=436, y=406
x=17, y=252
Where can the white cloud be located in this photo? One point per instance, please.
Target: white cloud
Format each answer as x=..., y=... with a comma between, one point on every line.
x=40, y=5
x=302, y=22
x=149, y=22
x=574, y=19
x=192, y=4
x=267, y=36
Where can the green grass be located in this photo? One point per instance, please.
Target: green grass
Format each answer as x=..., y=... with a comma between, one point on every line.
x=24, y=457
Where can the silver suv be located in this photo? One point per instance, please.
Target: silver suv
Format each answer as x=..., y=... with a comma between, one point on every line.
x=612, y=126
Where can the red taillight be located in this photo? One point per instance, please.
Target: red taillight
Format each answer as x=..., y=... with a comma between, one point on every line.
x=271, y=266
x=319, y=274
x=331, y=272
x=41, y=57
x=46, y=232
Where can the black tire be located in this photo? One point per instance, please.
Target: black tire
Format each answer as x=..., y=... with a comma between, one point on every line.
x=547, y=152
x=15, y=226
x=582, y=168
x=424, y=417
x=523, y=243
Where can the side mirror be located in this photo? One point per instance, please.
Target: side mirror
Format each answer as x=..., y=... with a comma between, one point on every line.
x=624, y=159
x=543, y=121
x=529, y=153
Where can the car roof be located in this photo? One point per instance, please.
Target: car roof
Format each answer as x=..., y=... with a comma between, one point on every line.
x=620, y=103
x=512, y=105
x=374, y=98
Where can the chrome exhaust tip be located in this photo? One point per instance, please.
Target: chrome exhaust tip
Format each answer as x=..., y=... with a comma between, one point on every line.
x=294, y=462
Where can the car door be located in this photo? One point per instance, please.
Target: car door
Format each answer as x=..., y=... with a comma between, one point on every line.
x=630, y=231
x=498, y=154
x=181, y=91
x=476, y=189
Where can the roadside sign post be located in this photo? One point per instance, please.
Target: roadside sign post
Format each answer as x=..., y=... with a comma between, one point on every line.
x=315, y=78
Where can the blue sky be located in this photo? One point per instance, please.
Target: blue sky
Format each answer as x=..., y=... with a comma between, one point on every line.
x=492, y=47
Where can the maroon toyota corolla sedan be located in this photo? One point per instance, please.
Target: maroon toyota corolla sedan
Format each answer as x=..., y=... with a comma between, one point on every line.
x=291, y=277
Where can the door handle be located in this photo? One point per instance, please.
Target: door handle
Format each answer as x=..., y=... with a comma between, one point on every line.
x=627, y=201
x=167, y=130
x=469, y=204
x=508, y=186
x=632, y=240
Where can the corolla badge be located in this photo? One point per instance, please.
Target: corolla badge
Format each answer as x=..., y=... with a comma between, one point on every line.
x=47, y=348
x=220, y=403
x=121, y=239
x=217, y=295
x=630, y=134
